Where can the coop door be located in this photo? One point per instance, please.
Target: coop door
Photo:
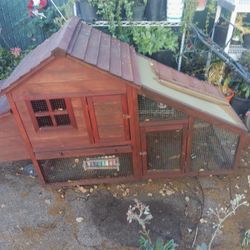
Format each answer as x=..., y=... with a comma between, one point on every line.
x=109, y=118
x=163, y=149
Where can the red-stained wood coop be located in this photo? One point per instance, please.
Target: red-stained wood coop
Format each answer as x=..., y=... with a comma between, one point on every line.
x=86, y=108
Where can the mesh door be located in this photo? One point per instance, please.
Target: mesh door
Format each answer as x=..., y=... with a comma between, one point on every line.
x=212, y=148
x=66, y=169
x=164, y=150
x=150, y=110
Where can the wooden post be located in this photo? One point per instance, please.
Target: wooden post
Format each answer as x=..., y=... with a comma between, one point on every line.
x=25, y=137
x=134, y=131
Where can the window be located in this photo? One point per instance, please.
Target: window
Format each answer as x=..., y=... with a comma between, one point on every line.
x=51, y=113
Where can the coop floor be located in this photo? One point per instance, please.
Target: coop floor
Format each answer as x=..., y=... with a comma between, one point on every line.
x=36, y=218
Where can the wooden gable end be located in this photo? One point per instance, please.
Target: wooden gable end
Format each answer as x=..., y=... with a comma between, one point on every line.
x=65, y=77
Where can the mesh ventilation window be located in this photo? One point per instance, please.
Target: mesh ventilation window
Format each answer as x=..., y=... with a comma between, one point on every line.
x=62, y=120
x=39, y=106
x=44, y=121
x=70, y=169
x=213, y=148
x=150, y=110
x=58, y=104
x=164, y=150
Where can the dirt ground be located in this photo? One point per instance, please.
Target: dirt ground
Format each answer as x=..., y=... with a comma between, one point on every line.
x=36, y=218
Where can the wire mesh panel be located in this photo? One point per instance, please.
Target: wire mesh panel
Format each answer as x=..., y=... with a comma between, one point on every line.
x=164, y=150
x=99, y=166
x=213, y=148
x=150, y=110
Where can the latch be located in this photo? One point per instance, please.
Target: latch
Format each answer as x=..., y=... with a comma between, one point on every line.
x=143, y=153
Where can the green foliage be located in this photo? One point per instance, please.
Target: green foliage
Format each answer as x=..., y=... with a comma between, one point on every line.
x=35, y=24
x=152, y=39
x=189, y=10
x=245, y=90
x=7, y=62
x=211, y=9
x=159, y=244
x=112, y=12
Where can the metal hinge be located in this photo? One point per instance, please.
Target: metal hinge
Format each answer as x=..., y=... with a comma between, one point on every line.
x=143, y=153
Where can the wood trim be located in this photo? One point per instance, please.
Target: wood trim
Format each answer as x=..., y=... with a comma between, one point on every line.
x=107, y=180
x=163, y=123
x=31, y=114
x=78, y=94
x=184, y=148
x=125, y=119
x=134, y=130
x=47, y=155
x=87, y=119
x=144, y=151
x=69, y=111
x=93, y=121
x=25, y=137
x=164, y=128
x=189, y=144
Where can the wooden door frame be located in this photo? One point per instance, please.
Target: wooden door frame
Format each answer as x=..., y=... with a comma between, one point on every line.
x=164, y=126
x=91, y=116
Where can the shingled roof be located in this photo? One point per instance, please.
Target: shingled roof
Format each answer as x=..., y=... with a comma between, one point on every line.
x=92, y=46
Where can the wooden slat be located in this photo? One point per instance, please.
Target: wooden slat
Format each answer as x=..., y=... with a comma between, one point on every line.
x=104, y=52
x=80, y=46
x=115, y=58
x=127, y=72
x=92, y=52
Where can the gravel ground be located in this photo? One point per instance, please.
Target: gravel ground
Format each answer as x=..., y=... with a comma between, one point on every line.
x=95, y=217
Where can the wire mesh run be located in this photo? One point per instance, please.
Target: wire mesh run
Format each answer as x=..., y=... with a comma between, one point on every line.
x=213, y=148
x=44, y=121
x=58, y=104
x=164, y=150
x=150, y=110
x=39, y=106
x=70, y=169
x=62, y=120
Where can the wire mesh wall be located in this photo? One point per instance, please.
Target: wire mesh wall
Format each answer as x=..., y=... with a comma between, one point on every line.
x=164, y=150
x=213, y=148
x=77, y=168
x=150, y=110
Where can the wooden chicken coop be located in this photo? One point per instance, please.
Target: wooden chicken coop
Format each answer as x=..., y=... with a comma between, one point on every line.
x=86, y=108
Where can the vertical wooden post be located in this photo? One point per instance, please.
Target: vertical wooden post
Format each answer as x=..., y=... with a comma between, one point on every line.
x=134, y=130
x=189, y=144
x=25, y=137
x=239, y=151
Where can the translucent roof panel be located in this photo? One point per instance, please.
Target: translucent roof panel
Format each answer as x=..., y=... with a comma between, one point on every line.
x=211, y=106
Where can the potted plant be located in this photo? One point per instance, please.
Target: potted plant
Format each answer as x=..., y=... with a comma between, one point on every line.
x=243, y=30
x=139, y=9
x=241, y=101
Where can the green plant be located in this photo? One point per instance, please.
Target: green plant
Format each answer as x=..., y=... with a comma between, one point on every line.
x=210, y=13
x=189, y=10
x=140, y=213
x=244, y=90
x=112, y=12
x=152, y=39
x=8, y=61
x=246, y=239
